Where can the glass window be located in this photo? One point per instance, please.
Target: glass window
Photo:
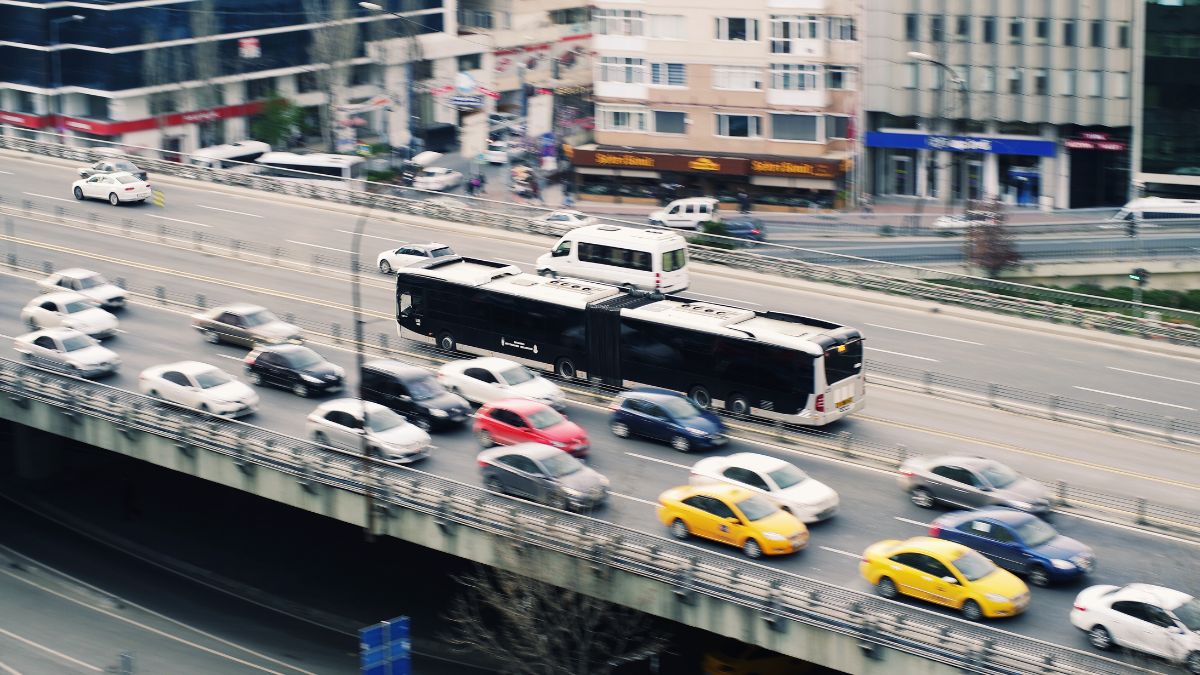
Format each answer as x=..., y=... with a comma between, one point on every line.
x=1095, y=82
x=207, y=379
x=560, y=464
x=668, y=74
x=837, y=126
x=76, y=306
x=1014, y=80
x=1041, y=82
x=1097, y=33
x=738, y=126
x=1035, y=532
x=673, y=261
x=737, y=77
x=786, y=476
x=841, y=77
x=989, y=29
x=998, y=475
x=562, y=17
x=622, y=69
x=618, y=118
x=1066, y=82
x=737, y=29
x=679, y=408
x=303, y=357
x=973, y=566
x=1189, y=614
x=381, y=419
x=627, y=22
x=795, y=127
x=1068, y=33
x=937, y=28
x=1123, y=35
x=1016, y=28
x=909, y=75
x=75, y=343
x=842, y=29
x=962, y=28
x=912, y=30
x=1120, y=84
x=516, y=375
x=756, y=508
x=795, y=76
x=986, y=78
x=470, y=62
x=1041, y=30
x=666, y=27
x=669, y=122
x=545, y=418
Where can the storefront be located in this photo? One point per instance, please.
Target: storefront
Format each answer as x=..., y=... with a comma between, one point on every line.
x=773, y=183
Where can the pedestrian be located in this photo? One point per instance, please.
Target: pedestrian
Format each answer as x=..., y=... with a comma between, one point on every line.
x=867, y=205
x=743, y=200
x=535, y=191
x=482, y=188
x=474, y=185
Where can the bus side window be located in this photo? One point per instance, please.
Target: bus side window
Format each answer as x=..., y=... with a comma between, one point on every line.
x=406, y=304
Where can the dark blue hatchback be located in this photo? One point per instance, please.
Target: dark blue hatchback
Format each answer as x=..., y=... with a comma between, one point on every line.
x=1019, y=542
x=666, y=416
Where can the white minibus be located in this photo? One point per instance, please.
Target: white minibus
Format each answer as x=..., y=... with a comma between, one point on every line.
x=229, y=156
x=1152, y=209
x=650, y=260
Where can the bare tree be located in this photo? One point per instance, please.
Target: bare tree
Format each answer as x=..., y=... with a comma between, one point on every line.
x=989, y=244
x=332, y=45
x=535, y=628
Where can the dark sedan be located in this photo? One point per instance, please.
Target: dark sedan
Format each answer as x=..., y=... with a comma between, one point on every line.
x=413, y=392
x=745, y=227
x=300, y=369
x=112, y=166
x=544, y=474
x=666, y=416
x=1019, y=542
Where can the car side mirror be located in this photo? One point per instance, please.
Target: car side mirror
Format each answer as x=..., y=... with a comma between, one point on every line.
x=733, y=519
x=985, y=488
x=404, y=397
x=950, y=580
x=1177, y=629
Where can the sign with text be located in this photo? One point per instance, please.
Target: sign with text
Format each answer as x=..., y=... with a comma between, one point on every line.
x=982, y=144
x=386, y=648
x=737, y=166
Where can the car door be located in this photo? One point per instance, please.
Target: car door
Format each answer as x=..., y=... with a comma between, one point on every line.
x=508, y=427
x=399, y=398
x=700, y=517
x=92, y=187
x=45, y=350
x=519, y=475
x=905, y=569
x=233, y=327
x=655, y=421
x=746, y=478
x=673, y=216
x=726, y=531
x=1161, y=632
x=176, y=387
x=345, y=429
x=46, y=314
x=1130, y=624
x=948, y=593
x=635, y=417
x=276, y=369
x=952, y=484
x=479, y=384
x=994, y=541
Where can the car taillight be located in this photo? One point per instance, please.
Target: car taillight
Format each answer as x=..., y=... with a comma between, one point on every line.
x=482, y=463
x=935, y=530
x=249, y=360
x=755, y=231
x=130, y=189
x=657, y=280
x=906, y=473
x=820, y=402
x=1080, y=608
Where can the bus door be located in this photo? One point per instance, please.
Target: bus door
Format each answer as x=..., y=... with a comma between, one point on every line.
x=604, y=344
x=410, y=309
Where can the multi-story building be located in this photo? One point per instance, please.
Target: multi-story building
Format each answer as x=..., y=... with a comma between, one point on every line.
x=714, y=99
x=1166, y=159
x=1048, y=97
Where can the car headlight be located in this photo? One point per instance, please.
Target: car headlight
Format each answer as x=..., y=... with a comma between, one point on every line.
x=1063, y=564
x=1021, y=506
x=572, y=491
x=310, y=379
x=996, y=597
x=439, y=413
x=696, y=432
x=774, y=536
x=558, y=444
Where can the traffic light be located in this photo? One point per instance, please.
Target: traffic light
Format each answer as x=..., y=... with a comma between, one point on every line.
x=1140, y=275
x=1131, y=228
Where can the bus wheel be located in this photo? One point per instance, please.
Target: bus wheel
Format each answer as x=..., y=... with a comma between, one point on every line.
x=738, y=404
x=700, y=396
x=446, y=342
x=565, y=369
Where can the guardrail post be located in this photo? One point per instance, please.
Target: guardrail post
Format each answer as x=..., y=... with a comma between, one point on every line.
x=26, y=206
x=383, y=343
x=1171, y=422
x=304, y=477
x=92, y=219
x=289, y=318
x=927, y=380
x=18, y=396
x=1060, y=492
x=1052, y=407
x=127, y=225
x=47, y=267
x=240, y=458
x=780, y=432
x=276, y=254
x=442, y=519
x=120, y=283
x=517, y=542
x=59, y=213
x=991, y=394
x=314, y=264
x=1111, y=417
x=162, y=232
x=1140, y=514
x=235, y=247
x=335, y=330
x=70, y=407
x=847, y=440
x=601, y=557
x=128, y=415
x=12, y=261
x=184, y=442
x=160, y=292
x=685, y=589
x=770, y=613
x=201, y=301
x=1048, y=664
x=198, y=240
x=901, y=453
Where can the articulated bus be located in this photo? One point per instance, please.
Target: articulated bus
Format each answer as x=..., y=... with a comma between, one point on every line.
x=781, y=366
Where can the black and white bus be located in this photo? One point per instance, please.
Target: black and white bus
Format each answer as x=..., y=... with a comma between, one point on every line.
x=788, y=367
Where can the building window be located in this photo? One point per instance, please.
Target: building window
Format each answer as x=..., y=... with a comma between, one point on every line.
x=1015, y=29
x=256, y=90
x=1066, y=82
x=615, y=118
x=626, y=22
x=1014, y=80
x=989, y=29
x=1097, y=33
x=909, y=75
x=987, y=78
x=624, y=69
x=1123, y=35
x=668, y=122
x=1095, y=82
x=842, y=78
x=1041, y=30
x=794, y=76
x=1120, y=85
x=668, y=74
x=795, y=128
x=739, y=126
x=838, y=126
x=841, y=29
x=306, y=82
x=161, y=103
x=422, y=70
x=1068, y=34
x=962, y=28
x=476, y=18
x=363, y=73
x=746, y=78
x=96, y=107
x=912, y=29
x=470, y=62
x=785, y=30
x=1041, y=82
x=564, y=17
x=737, y=29
x=964, y=71
x=666, y=27
x=937, y=28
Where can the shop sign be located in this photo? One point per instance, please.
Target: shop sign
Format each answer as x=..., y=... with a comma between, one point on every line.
x=249, y=48
x=982, y=144
x=124, y=127
x=806, y=169
x=704, y=164
x=623, y=159
x=31, y=121
x=1094, y=140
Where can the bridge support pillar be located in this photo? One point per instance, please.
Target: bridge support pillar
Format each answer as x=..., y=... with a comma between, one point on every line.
x=34, y=454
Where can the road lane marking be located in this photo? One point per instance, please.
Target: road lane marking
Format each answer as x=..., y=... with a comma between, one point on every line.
x=59, y=199
x=226, y=356
x=911, y=356
x=914, y=332
x=1134, y=398
x=240, y=213
x=660, y=461
x=177, y=220
x=372, y=236
x=515, y=262
x=329, y=248
x=49, y=650
x=910, y=520
x=1161, y=377
x=632, y=498
x=8, y=670
x=841, y=552
x=721, y=297
x=7, y=173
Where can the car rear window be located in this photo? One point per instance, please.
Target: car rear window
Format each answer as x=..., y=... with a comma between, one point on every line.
x=441, y=252
x=673, y=261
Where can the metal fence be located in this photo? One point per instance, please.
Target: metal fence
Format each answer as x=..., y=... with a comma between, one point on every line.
x=691, y=571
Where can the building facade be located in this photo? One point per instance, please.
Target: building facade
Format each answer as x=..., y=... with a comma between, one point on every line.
x=711, y=99
x=1046, y=112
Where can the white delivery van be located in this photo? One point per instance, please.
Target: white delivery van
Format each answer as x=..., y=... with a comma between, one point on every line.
x=686, y=213
x=1157, y=209
x=649, y=260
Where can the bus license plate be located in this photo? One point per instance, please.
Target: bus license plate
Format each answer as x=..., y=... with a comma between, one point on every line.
x=844, y=403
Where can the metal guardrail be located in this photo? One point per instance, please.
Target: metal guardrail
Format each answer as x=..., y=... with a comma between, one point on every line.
x=930, y=285
x=691, y=571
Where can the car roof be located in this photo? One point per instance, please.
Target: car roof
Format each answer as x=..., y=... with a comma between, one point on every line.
x=118, y=174
x=489, y=362
x=353, y=406
x=754, y=460
x=394, y=367
x=530, y=450
x=650, y=393
x=61, y=296
x=520, y=405
x=1161, y=596
x=282, y=349
x=943, y=547
x=60, y=332
x=187, y=367
x=965, y=461
x=1000, y=514
x=723, y=491
x=424, y=247
x=238, y=308
x=76, y=273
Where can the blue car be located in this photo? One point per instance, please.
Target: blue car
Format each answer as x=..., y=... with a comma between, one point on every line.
x=1019, y=542
x=666, y=416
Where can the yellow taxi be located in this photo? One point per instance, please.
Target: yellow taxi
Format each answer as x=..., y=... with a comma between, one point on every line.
x=944, y=573
x=731, y=515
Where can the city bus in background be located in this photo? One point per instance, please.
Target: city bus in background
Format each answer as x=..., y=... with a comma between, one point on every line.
x=770, y=364
x=1154, y=210
x=349, y=170
x=240, y=155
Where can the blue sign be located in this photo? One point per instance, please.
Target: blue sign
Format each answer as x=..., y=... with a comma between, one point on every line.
x=984, y=144
x=385, y=648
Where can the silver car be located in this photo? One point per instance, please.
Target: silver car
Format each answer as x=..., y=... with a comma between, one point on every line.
x=69, y=350
x=971, y=482
x=544, y=474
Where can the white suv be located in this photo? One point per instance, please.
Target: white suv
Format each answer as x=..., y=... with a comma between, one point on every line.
x=687, y=213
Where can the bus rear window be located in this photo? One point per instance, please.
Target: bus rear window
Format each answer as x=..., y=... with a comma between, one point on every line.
x=673, y=261
x=845, y=363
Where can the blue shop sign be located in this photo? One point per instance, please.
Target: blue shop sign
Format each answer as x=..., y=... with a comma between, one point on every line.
x=985, y=144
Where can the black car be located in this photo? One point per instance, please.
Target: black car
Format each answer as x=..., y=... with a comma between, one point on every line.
x=413, y=392
x=745, y=227
x=294, y=367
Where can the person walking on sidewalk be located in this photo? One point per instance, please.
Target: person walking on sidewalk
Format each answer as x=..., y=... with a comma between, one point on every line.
x=743, y=201
x=535, y=191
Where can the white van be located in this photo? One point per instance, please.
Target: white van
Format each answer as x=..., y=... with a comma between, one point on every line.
x=686, y=213
x=649, y=260
x=1151, y=209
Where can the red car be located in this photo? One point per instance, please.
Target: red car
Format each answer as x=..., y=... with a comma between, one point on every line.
x=516, y=420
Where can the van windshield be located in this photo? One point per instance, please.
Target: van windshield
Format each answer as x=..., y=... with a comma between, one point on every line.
x=673, y=261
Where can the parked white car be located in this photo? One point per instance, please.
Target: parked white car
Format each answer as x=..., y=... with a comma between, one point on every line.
x=411, y=253
x=500, y=152
x=198, y=385
x=115, y=188
x=339, y=424
x=1142, y=617
x=71, y=310
x=491, y=378
x=688, y=213
x=69, y=350
x=569, y=219
x=793, y=490
x=438, y=178
x=87, y=283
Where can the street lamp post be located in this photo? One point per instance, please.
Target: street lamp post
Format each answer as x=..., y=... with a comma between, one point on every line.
x=56, y=65
x=359, y=358
x=956, y=158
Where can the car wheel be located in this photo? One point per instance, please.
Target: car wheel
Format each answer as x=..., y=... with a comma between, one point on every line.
x=254, y=378
x=493, y=484
x=320, y=438
x=700, y=396
x=565, y=369
x=212, y=336
x=153, y=393
x=112, y=199
x=971, y=611
x=547, y=273
x=385, y=267
x=620, y=429
x=1100, y=638
x=1038, y=576
x=922, y=498
x=485, y=438
x=738, y=404
x=679, y=529
x=887, y=588
x=752, y=549
x=558, y=501
x=446, y=342
x=203, y=407
x=78, y=194
x=300, y=389
x=422, y=422
x=681, y=444
x=1193, y=663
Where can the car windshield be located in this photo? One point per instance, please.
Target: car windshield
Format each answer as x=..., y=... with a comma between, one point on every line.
x=1035, y=532
x=77, y=306
x=787, y=475
x=973, y=566
x=212, y=378
x=441, y=252
x=304, y=358
x=424, y=388
x=998, y=475
x=124, y=166
x=382, y=419
x=90, y=282
x=77, y=342
x=561, y=464
x=518, y=375
x=258, y=318
x=679, y=408
x=1189, y=614
x=546, y=417
x=126, y=180
x=756, y=508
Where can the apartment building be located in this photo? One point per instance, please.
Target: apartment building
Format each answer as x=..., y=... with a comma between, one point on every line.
x=713, y=98
x=1046, y=119
x=1167, y=99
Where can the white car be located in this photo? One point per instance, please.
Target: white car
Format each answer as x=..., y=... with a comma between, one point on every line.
x=198, y=385
x=1142, y=617
x=438, y=178
x=112, y=187
x=409, y=254
x=503, y=120
x=793, y=490
x=339, y=424
x=68, y=350
x=491, y=378
x=569, y=219
x=500, y=152
x=71, y=310
x=87, y=283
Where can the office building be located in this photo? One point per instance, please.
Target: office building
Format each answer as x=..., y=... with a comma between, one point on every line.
x=1167, y=99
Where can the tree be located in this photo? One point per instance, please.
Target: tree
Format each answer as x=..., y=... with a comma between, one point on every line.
x=989, y=244
x=535, y=628
x=277, y=121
